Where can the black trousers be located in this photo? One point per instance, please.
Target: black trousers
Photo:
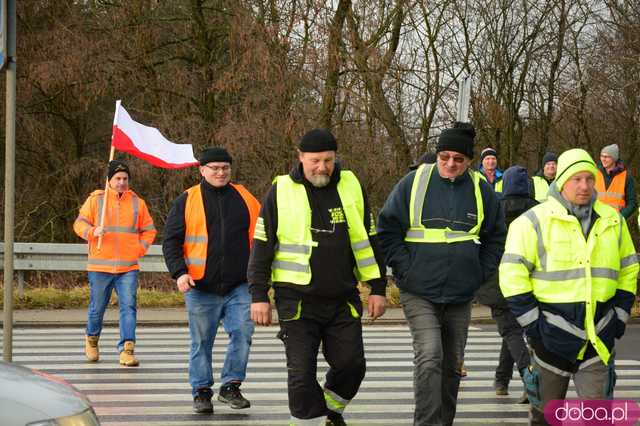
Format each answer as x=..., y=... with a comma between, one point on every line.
x=337, y=328
x=514, y=347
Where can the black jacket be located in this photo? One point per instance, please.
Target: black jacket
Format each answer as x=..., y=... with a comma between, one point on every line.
x=228, y=247
x=332, y=262
x=516, y=199
x=441, y=272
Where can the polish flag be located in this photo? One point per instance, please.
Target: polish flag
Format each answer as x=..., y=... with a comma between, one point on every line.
x=148, y=143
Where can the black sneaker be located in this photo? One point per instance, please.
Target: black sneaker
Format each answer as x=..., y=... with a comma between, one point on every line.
x=202, y=401
x=230, y=394
x=335, y=419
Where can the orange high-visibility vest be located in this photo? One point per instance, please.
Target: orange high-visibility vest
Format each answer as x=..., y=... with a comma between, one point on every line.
x=614, y=194
x=128, y=227
x=196, y=236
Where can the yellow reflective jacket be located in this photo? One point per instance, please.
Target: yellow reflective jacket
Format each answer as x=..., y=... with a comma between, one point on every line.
x=565, y=289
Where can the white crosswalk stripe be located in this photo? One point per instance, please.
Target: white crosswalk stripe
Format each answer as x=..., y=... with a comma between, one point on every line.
x=158, y=393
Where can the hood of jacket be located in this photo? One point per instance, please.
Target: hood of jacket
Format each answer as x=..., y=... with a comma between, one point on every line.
x=515, y=181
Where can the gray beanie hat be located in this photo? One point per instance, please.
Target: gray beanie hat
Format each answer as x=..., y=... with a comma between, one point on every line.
x=612, y=151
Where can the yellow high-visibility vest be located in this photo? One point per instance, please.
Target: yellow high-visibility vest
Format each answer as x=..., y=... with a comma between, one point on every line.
x=295, y=243
x=540, y=188
x=417, y=232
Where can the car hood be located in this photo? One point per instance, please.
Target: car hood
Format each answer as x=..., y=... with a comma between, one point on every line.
x=28, y=395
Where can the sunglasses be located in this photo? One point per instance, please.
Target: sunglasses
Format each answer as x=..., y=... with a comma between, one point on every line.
x=458, y=159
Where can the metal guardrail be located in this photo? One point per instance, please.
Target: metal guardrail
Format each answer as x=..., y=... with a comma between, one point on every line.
x=66, y=257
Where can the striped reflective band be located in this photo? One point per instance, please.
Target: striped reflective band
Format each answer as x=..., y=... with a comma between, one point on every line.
x=259, y=231
x=517, y=259
x=550, y=367
x=611, y=195
x=438, y=235
x=144, y=244
x=361, y=245
x=528, y=317
x=542, y=253
x=194, y=261
x=622, y=314
x=632, y=259
x=334, y=401
x=573, y=274
x=367, y=261
x=134, y=204
x=121, y=229
x=565, y=325
x=290, y=266
x=148, y=228
x=421, y=192
x=106, y=262
x=194, y=239
x=293, y=248
x=612, y=274
x=604, y=321
x=84, y=219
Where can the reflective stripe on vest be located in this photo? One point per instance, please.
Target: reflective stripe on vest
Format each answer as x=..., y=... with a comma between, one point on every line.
x=121, y=243
x=614, y=194
x=196, y=236
x=417, y=232
x=588, y=282
x=540, y=188
x=498, y=186
x=295, y=242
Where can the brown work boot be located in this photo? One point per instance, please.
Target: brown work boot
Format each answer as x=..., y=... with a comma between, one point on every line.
x=126, y=356
x=91, y=348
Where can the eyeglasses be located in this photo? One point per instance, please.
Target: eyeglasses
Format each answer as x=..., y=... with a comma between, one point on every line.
x=218, y=169
x=446, y=157
x=325, y=231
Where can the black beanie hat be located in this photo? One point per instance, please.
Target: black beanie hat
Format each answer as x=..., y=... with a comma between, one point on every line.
x=549, y=156
x=215, y=154
x=318, y=140
x=459, y=138
x=487, y=152
x=116, y=166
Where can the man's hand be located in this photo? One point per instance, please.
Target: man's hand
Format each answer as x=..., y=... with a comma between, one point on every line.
x=98, y=231
x=376, y=306
x=261, y=313
x=185, y=283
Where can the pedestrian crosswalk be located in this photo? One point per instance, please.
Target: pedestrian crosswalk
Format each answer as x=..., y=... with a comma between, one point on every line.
x=158, y=393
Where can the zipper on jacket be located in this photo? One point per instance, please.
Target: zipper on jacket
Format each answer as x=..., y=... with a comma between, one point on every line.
x=221, y=240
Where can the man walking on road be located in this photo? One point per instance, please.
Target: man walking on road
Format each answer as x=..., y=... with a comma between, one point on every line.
x=115, y=246
x=614, y=184
x=315, y=240
x=207, y=240
x=569, y=275
x=516, y=199
x=442, y=231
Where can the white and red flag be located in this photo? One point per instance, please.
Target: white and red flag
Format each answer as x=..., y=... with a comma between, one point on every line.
x=148, y=143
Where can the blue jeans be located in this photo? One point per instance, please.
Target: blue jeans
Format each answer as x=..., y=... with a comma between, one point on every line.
x=206, y=310
x=101, y=285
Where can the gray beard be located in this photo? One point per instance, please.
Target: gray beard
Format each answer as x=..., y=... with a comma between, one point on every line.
x=319, y=181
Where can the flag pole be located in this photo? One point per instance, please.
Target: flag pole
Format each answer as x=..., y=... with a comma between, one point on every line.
x=106, y=186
